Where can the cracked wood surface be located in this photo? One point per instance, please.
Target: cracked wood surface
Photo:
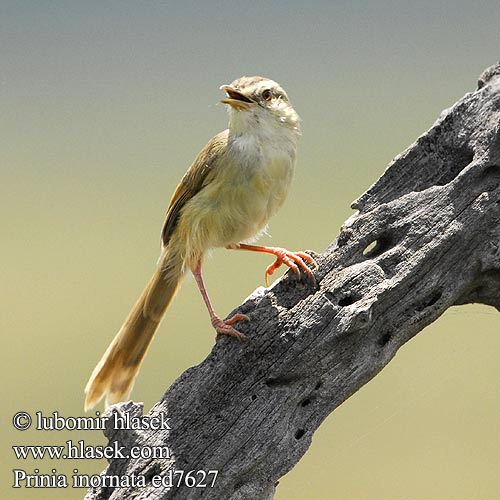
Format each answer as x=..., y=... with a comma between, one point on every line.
x=426, y=236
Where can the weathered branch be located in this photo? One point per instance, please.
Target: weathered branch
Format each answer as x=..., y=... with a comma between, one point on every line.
x=426, y=236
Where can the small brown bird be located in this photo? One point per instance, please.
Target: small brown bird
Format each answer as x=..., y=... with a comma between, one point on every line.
x=237, y=182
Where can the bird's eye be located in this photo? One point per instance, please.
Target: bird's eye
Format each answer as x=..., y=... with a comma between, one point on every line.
x=267, y=95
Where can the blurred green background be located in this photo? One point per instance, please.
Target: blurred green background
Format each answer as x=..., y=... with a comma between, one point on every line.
x=104, y=106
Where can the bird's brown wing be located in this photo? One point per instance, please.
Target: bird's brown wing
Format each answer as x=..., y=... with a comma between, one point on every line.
x=193, y=181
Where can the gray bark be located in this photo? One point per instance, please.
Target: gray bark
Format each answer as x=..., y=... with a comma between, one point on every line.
x=426, y=236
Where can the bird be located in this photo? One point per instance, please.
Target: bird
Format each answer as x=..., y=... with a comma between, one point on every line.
x=237, y=182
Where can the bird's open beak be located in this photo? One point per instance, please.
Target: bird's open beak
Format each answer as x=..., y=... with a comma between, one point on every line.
x=235, y=98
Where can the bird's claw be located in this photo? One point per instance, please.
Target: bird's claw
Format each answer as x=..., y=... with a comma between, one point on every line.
x=295, y=261
x=224, y=327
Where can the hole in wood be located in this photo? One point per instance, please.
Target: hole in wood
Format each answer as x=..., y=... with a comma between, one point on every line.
x=456, y=160
x=318, y=385
x=377, y=247
x=384, y=339
x=429, y=301
x=299, y=433
x=348, y=300
x=305, y=402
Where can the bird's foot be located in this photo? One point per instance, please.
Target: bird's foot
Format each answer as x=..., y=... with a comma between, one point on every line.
x=224, y=327
x=294, y=260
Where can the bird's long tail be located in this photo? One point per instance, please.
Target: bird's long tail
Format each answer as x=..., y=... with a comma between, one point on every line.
x=115, y=373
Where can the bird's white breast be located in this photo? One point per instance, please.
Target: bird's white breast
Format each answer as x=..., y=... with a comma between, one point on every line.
x=250, y=183
x=262, y=171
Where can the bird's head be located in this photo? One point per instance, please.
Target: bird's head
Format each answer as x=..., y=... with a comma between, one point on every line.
x=257, y=102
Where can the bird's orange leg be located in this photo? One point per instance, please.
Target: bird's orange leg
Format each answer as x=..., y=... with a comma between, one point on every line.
x=221, y=327
x=294, y=260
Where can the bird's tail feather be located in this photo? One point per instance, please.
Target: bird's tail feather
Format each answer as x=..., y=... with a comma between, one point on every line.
x=115, y=373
